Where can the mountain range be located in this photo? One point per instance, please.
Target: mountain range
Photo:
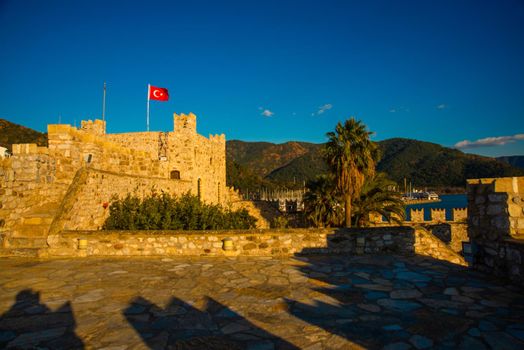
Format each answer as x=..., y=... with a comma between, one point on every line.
x=424, y=164
x=11, y=133
x=253, y=165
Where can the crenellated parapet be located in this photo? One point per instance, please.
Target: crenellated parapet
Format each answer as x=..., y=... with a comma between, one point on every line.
x=438, y=215
x=460, y=214
x=97, y=127
x=417, y=215
x=218, y=139
x=185, y=123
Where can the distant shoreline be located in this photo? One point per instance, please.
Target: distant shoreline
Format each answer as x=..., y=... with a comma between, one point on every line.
x=422, y=201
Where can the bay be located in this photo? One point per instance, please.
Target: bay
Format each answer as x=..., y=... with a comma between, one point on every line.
x=448, y=202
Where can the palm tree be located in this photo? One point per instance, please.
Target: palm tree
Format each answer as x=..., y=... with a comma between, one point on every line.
x=321, y=202
x=377, y=197
x=351, y=155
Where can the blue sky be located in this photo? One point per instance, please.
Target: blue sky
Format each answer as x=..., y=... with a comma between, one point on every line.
x=438, y=71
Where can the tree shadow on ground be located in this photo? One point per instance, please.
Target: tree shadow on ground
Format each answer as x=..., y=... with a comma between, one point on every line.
x=182, y=326
x=399, y=302
x=29, y=324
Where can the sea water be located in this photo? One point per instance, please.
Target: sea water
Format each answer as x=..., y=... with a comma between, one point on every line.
x=448, y=202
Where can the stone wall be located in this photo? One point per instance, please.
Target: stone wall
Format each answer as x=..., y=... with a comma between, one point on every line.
x=73, y=149
x=86, y=206
x=196, y=158
x=496, y=226
x=437, y=216
x=401, y=240
x=30, y=192
x=35, y=180
x=450, y=232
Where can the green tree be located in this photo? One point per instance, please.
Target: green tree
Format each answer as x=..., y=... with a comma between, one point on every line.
x=321, y=202
x=351, y=156
x=378, y=197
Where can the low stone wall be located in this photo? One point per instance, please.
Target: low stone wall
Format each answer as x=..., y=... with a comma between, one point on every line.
x=401, y=240
x=452, y=233
x=426, y=243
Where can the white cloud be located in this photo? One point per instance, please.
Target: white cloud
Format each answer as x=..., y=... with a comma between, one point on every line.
x=489, y=141
x=392, y=110
x=442, y=106
x=323, y=108
x=267, y=113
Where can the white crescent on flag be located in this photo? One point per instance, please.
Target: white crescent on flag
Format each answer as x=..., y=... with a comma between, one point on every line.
x=158, y=93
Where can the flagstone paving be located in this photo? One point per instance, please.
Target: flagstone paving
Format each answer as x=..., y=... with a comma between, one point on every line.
x=314, y=302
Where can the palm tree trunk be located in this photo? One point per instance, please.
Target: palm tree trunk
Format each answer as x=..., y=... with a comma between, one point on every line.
x=347, y=210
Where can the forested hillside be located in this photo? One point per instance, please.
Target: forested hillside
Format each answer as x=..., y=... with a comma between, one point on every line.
x=11, y=133
x=424, y=164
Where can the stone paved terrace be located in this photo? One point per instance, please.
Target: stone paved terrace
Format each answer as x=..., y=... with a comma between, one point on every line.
x=314, y=302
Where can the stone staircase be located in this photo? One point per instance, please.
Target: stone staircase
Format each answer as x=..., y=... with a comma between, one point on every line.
x=29, y=236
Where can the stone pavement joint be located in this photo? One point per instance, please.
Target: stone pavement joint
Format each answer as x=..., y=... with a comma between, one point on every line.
x=314, y=302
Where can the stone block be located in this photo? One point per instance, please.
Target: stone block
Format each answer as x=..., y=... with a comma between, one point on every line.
x=515, y=210
x=24, y=148
x=497, y=197
x=33, y=221
x=495, y=209
x=480, y=199
x=504, y=184
x=514, y=256
x=500, y=223
x=250, y=246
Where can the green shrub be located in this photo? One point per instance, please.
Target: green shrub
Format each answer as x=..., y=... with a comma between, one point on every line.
x=280, y=222
x=165, y=212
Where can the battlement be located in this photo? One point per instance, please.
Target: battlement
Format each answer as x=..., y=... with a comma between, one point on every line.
x=438, y=215
x=62, y=136
x=184, y=123
x=217, y=138
x=97, y=127
x=29, y=148
x=460, y=214
x=418, y=216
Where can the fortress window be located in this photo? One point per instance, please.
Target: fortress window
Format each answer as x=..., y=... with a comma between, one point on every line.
x=175, y=175
x=199, y=189
x=211, y=161
x=88, y=158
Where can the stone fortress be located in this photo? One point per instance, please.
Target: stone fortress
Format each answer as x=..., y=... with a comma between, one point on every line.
x=70, y=183
x=53, y=201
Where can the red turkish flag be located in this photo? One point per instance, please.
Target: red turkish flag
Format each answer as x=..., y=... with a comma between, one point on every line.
x=158, y=93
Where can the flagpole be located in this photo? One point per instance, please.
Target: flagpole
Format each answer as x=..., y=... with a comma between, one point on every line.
x=104, y=104
x=147, y=121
